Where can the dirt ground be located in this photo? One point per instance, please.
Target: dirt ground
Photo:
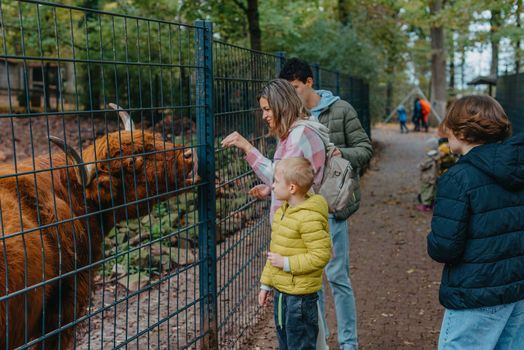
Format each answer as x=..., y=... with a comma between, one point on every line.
x=395, y=282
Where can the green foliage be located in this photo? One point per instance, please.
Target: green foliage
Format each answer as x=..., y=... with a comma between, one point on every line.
x=386, y=42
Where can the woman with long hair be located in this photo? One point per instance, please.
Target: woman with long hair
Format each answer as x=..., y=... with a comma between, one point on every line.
x=284, y=113
x=298, y=134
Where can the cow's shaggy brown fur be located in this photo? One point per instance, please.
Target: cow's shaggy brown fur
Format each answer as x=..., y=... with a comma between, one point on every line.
x=51, y=227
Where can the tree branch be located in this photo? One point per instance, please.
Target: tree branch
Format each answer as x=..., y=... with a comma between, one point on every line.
x=241, y=5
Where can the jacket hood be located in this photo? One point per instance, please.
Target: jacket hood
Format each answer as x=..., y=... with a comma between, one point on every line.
x=504, y=161
x=326, y=99
x=321, y=130
x=313, y=202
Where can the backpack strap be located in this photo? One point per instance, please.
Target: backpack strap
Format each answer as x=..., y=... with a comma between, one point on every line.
x=306, y=123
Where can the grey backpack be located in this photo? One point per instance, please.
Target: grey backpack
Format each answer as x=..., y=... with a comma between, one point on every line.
x=339, y=182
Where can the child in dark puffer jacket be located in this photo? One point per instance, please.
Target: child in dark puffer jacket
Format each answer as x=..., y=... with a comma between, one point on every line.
x=477, y=229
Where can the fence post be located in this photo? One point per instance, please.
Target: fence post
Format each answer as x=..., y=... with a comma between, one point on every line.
x=281, y=59
x=206, y=191
x=316, y=76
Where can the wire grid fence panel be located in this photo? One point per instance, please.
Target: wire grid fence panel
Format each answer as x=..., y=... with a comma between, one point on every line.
x=510, y=94
x=98, y=248
x=356, y=92
x=329, y=80
x=242, y=222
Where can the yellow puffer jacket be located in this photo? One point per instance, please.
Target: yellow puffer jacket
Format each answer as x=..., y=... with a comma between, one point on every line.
x=300, y=233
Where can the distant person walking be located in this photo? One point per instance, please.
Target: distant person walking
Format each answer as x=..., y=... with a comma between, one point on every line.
x=477, y=229
x=417, y=114
x=347, y=134
x=425, y=109
x=402, y=119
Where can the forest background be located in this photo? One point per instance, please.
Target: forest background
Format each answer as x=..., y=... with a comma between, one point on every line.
x=394, y=45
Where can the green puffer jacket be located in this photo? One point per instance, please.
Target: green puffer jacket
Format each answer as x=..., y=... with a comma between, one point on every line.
x=347, y=134
x=300, y=233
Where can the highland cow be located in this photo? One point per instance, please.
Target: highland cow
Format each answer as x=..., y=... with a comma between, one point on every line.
x=53, y=214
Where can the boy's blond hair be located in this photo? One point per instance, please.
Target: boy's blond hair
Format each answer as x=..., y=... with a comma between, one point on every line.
x=297, y=171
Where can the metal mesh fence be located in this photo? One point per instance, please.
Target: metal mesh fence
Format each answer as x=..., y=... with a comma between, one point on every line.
x=242, y=222
x=510, y=94
x=353, y=90
x=356, y=92
x=98, y=247
x=108, y=239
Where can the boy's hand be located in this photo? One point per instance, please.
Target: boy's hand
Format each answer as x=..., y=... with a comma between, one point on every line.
x=262, y=297
x=275, y=259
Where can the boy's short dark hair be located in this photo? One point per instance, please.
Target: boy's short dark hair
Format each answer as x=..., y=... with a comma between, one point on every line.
x=296, y=69
x=477, y=119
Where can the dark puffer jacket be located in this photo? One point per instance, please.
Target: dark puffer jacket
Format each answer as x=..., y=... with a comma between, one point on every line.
x=478, y=227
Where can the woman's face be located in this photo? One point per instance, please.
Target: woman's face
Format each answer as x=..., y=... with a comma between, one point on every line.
x=267, y=113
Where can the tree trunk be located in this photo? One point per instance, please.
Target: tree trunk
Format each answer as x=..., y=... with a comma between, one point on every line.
x=518, y=41
x=343, y=13
x=462, y=67
x=452, y=65
x=495, y=25
x=438, y=63
x=255, y=35
x=389, y=97
x=390, y=73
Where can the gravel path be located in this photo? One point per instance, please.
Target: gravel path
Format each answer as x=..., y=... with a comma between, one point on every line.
x=395, y=282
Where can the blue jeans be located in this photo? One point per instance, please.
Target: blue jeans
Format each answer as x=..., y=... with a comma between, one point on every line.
x=495, y=327
x=337, y=273
x=296, y=318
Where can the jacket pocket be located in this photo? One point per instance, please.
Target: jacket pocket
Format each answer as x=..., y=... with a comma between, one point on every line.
x=283, y=281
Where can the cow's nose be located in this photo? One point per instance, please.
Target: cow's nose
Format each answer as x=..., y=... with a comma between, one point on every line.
x=188, y=154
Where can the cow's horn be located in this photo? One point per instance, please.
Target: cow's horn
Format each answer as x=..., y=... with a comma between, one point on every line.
x=126, y=118
x=81, y=170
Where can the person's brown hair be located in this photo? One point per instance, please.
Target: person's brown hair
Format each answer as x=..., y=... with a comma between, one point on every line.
x=476, y=119
x=297, y=171
x=286, y=105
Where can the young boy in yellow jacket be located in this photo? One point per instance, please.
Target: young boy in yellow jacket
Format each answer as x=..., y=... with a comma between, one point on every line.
x=300, y=248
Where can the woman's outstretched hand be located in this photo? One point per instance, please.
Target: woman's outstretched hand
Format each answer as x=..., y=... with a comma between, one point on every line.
x=237, y=140
x=260, y=191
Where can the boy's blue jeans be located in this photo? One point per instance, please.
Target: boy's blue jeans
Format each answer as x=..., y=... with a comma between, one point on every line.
x=296, y=318
x=496, y=327
x=337, y=273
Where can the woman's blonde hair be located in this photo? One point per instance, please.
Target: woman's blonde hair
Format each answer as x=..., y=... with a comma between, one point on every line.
x=286, y=105
x=297, y=171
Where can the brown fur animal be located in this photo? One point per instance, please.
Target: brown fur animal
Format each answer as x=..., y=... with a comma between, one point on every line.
x=51, y=225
